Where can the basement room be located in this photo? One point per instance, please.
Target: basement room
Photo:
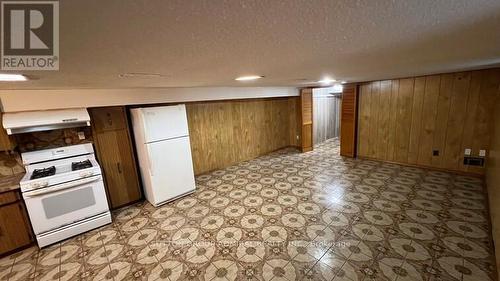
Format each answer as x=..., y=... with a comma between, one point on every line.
x=250, y=140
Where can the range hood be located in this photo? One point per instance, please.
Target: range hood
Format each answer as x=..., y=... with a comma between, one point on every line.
x=34, y=121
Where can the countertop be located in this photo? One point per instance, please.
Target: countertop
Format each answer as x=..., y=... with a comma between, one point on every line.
x=10, y=182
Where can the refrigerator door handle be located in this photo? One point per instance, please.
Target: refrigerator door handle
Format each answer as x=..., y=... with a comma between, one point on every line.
x=150, y=159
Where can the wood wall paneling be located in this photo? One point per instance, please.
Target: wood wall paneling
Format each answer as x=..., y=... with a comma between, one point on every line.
x=443, y=109
x=391, y=139
x=416, y=120
x=373, y=123
x=445, y=112
x=383, y=119
x=484, y=122
x=470, y=117
x=348, y=121
x=403, y=119
x=493, y=170
x=456, y=118
x=428, y=121
x=227, y=132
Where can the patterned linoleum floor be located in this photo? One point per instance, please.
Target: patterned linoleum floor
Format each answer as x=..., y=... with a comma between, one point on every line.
x=288, y=216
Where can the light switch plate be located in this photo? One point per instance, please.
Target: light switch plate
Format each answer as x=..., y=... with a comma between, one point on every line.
x=81, y=135
x=482, y=152
x=468, y=151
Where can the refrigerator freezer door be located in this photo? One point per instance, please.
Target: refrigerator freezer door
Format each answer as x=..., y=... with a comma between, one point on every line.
x=171, y=169
x=164, y=122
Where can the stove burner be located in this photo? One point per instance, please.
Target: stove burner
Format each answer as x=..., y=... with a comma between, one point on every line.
x=80, y=165
x=42, y=173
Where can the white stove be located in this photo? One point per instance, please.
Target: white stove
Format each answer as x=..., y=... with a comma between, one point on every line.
x=64, y=192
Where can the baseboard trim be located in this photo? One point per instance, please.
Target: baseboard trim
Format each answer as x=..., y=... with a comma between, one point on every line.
x=430, y=168
x=251, y=158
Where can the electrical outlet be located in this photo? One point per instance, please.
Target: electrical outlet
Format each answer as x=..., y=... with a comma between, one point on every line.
x=474, y=161
x=468, y=151
x=81, y=135
x=482, y=153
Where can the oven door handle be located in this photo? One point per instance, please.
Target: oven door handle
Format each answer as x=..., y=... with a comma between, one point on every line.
x=61, y=186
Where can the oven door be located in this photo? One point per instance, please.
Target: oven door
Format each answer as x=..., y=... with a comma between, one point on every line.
x=55, y=206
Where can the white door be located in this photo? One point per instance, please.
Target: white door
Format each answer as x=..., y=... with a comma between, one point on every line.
x=53, y=207
x=165, y=122
x=171, y=169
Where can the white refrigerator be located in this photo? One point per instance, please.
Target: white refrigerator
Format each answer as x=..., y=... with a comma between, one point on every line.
x=164, y=152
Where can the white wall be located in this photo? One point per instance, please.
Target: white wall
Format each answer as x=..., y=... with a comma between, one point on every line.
x=25, y=100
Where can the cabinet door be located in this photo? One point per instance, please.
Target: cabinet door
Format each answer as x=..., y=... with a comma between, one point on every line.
x=6, y=142
x=9, y=197
x=117, y=161
x=108, y=118
x=306, y=119
x=348, y=118
x=14, y=232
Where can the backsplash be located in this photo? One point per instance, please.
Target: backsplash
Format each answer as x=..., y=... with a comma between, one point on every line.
x=50, y=139
x=11, y=163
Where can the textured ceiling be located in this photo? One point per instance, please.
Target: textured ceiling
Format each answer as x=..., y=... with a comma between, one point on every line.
x=291, y=43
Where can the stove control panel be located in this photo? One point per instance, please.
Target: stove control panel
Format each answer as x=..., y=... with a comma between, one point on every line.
x=40, y=184
x=86, y=174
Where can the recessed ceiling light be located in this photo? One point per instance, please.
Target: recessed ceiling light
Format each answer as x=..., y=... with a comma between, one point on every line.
x=248, y=78
x=337, y=88
x=140, y=75
x=343, y=82
x=326, y=80
x=12, y=77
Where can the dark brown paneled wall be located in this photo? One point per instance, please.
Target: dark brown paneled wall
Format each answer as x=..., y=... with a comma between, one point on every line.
x=404, y=120
x=493, y=181
x=228, y=132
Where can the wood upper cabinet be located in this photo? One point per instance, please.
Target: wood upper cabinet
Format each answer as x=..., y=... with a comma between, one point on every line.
x=15, y=230
x=6, y=142
x=116, y=155
x=348, y=118
x=109, y=118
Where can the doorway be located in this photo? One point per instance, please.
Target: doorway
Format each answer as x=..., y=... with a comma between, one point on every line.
x=326, y=114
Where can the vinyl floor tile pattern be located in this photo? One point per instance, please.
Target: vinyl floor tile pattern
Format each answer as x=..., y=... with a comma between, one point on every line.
x=288, y=216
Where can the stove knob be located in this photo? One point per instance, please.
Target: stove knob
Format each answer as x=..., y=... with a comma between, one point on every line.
x=35, y=185
x=43, y=184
